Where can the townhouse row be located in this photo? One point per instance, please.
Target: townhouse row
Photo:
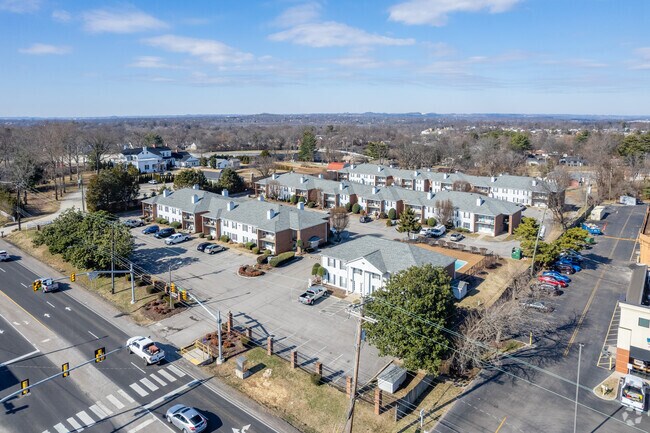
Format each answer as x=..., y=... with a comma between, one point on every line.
x=272, y=226
x=524, y=190
x=472, y=211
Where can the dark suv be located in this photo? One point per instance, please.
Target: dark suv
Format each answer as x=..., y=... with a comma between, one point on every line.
x=165, y=233
x=564, y=268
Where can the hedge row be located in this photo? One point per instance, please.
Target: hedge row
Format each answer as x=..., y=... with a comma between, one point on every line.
x=281, y=258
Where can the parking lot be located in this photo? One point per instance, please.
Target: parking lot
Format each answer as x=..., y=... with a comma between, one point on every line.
x=269, y=304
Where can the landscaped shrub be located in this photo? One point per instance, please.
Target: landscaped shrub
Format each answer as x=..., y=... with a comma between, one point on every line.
x=249, y=245
x=356, y=208
x=281, y=258
x=311, y=204
x=301, y=199
x=151, y=290
x=162, y=221
x=210, y=237
x=300, y=244
x=314, y=269
x=141, y=283
x=392, y=214
x=261, y=259
x=431, y=222
x=224, y=238
x=322, y=271
x=255, y=250
x=267, y=252
x=201, y=235
x=389, y=222
x=176, y=225
x=241, y=245
x=293, y=199
x=462, y=230
x=348, y=207
x=382, y=215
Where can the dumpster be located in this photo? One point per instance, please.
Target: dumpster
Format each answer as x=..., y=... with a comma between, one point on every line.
x=516, y=253
x=590, y=240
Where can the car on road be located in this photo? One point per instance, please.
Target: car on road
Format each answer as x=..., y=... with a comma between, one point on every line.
x=552, y=281
x=201, y=247
x=132, y=223
x=311, y=294
x=48, y=285
x=364, y=219
x=177, y=238
x=151, y=230
x=153, y=182
x=164, y=233
x=186, y=419
x=214, y=248
x=531, y=304
x=146, y=349
x=575, y=266
x=4, y=256
x=558, y=276
x=457, y=237
x=563, y=268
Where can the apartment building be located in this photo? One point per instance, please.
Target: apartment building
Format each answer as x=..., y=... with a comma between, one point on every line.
x=633, y=342
x=269, y=225
x=364, y=264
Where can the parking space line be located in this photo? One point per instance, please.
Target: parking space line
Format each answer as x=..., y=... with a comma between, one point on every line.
x=137, y=388
x=75, y=425
x=85, y=418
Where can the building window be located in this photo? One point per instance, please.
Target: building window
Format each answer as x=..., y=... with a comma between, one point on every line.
x=331, y=262
x=225, y=223
x=644, y=322
x=234, y=237
x=244, y=227
x=166, y=209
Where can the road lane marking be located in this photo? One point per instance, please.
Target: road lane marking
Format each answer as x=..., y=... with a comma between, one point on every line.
x=177, y=391
x=85, y=418
x=137, y=388
x=501, y=425
x=75, y=425
x=25, y=286
x=46, y=431
x=26, y=312
x=149, y=384
x=61, y=428
x=100, y=413
x=45, y=341
x=104, y=408
x=157, y=379
x=143, y=425
x=2, y=270
x=176, y=371
x=166, y=375
x=114, y=401
x=96, y=337
x=138, y=368
x=50, y=304
x=126, y=396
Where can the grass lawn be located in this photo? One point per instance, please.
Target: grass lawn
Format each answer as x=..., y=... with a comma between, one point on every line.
x=494, y=282
x=101, y=285
x=322, y=409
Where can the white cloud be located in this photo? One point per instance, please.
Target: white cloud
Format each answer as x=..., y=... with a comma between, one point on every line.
x=209, y=51
x=576, y=63
x=20, y=6
x=333, y=34
x=129, y=20
x=152, y=62
x=435, y=12
x=300, y=14
x=44, y=49
x=61, y=16
x=643, y=61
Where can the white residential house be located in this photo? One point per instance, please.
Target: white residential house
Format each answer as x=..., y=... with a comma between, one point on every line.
x=147, y=159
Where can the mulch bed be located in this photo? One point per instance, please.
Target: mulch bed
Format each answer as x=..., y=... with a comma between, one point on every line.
x=159, y=309
x=232, y=344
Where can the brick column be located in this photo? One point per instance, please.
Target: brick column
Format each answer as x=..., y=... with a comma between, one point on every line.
x=249, y=333
x=319, y=368
x=229, y=321
x=348, y=386
x=378, y=398
x=294, y=356
x=269, y=346
x=622, y=359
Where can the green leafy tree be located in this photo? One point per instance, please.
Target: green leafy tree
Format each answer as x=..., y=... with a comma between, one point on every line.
x=408, y=222
x=113, y=189
x=203, y=161
x=410, y=312
x=188, y=178
x=153, y=139
x=392, y=214
x=307, y=146
x=573, y=238
x=212, y=162
x=634, y=145
x=520, y=141
x=377, y=150
x=231, y=181
x=527, y=229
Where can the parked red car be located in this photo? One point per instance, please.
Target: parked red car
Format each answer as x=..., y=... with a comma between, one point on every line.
x=552, y=281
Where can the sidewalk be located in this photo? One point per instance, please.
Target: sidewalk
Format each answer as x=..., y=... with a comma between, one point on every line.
x=71, y=200
x=158, y=332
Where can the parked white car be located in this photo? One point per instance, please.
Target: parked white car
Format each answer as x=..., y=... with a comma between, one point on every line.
x=438, y=230
x=146, y=349
x=177, y=238
x=132, y=223
x=4, y=256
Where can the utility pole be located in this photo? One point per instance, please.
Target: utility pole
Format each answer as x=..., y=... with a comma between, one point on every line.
x=81, y=185
x=539, y=229
x=113, y=259
x=132, y=283
x=218, y=319
x=575, y=414
x=18, y=205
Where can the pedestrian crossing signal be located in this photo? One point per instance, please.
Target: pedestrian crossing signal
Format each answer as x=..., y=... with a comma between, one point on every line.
x=73, y=277
x=24, y=385
x=65, y=369
x=100, y=354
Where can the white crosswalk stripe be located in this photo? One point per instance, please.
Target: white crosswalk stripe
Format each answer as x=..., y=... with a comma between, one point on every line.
x=166, y=375
x=46, y=431
x=176, y=371
x=61, y=428
x=149, y=384
x=75, y=425
x=104, y=408
x=157, y=379
x=85, y=418
x=98, y=412
x=126, y=396
x=137, y=388
x=143, y=425
x=114, y=401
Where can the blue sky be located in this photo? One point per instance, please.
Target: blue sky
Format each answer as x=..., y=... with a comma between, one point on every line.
x=103, y=58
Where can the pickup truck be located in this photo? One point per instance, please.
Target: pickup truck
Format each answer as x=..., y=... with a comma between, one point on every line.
x=48, y=285
x=145, y=349
x=311, y=294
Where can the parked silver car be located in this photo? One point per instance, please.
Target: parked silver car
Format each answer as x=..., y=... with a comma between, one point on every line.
x=213, y=248
x=186, y=419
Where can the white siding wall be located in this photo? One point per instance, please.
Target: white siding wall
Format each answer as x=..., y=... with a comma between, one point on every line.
x=170, y=213
x=238, y=232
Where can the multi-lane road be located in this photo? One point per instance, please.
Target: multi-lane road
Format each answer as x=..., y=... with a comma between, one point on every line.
x=40, y=331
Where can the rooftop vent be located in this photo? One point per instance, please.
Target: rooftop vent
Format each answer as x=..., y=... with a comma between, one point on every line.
x=270, y=214
x=231, y=205
x=224, y=193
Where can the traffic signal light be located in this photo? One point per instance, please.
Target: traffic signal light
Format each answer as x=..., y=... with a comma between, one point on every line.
x=73, y=277
x=184, y=295
x=100, y=354
x=65, y=369
x=24, y=385
x=173, y=288
x=37, y=285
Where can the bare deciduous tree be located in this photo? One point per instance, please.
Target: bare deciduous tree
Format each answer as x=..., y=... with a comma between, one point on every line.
x=555, y=187
x=444, y=209
x=339, y=219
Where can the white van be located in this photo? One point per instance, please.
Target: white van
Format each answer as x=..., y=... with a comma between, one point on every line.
x=438, y=230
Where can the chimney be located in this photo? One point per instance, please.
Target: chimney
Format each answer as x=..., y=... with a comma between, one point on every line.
x=341, y=186
x=270, y=214
x=195, y=199
x=445, y=176
x=415, y=173
x=479, y=201
x=353, y=166
x=144, y=149
x=534, y=182
x=165, y=192
x=230, y=206
x=320, y=175
x=195, y=186
x=302, y=179
x=493, y=179
x=379, y=168
x=301, y=205
x=274, y=176
x=375, y=190
x=224, y=193
x=429, y=195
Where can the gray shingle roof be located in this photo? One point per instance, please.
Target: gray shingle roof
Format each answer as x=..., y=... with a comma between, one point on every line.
x=182, y=199
x=387, y=256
